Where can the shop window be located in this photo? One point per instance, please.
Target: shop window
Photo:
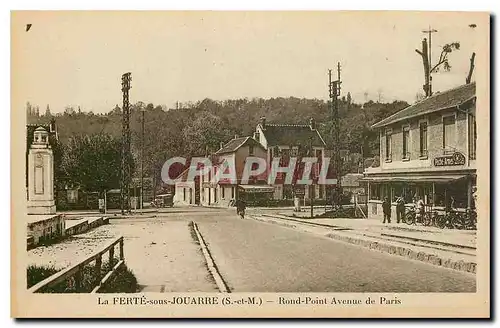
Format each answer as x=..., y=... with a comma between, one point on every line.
x=472, y=136
x=423, y=139
x=388, y=145
x=449, y=133
x=406, y=142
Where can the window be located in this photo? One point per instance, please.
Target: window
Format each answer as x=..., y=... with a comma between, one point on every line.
x=184, y=194
x=223, y=192
x=472, y=136
x=388, y=145
x=250, y=150
x=449, y=133
x=294, y=151
x=406, y=142
x=423, y=139
x=232, y=192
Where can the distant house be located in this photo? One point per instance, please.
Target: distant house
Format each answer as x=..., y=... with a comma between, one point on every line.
x=235, y=153
x=288, y=140
x=352, y=184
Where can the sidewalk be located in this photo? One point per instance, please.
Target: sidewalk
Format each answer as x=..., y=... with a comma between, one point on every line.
x=455, y=249
x=163, y=255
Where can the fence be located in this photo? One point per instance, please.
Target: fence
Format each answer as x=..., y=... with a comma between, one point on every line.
x=74, y=274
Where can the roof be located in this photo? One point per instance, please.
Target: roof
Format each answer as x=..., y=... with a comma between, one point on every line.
x=439, y=101
x=291, y=134
x=236, y=143
x=257, y=188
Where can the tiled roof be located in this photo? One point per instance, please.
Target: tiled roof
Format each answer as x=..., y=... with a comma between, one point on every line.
x=291, y=134
x=234, y=144
x=436, y=102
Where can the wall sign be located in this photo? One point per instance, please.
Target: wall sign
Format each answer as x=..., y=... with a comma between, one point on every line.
x=450, y=160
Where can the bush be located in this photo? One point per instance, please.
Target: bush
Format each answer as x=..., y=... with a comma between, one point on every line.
x=123, y=280
x=35, y=274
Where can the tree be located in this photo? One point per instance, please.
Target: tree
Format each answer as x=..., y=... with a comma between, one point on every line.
x=93, y=162
x=471, y=68
x=47, y=111
x=442, y=62
x=349, y=98
x=205, y=132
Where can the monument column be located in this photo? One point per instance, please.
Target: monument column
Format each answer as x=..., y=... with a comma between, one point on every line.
x=41, y=175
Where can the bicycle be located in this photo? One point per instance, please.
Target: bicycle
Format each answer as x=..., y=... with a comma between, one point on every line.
x=411, y=217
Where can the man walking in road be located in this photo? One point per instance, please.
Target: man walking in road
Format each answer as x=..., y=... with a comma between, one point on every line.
x=240, y=208
x=386, y=207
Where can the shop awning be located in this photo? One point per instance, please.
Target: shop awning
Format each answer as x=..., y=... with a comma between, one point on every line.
x=257, y=189
x=416, y=178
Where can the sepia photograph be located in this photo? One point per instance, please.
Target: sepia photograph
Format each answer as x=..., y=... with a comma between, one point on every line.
x=250, y=164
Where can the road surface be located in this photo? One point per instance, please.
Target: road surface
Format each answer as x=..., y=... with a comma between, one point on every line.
x=253, y=256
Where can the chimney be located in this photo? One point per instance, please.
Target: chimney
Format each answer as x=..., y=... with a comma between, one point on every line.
x=312, y=124
x=221, y=145
x=236, y=136
x=263, y=122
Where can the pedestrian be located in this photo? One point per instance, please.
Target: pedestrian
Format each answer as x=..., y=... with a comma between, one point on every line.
x=386, y=207
x=400, y=208
x=240, y=208
x=474, y=197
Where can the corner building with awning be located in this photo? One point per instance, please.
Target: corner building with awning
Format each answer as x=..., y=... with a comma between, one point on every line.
x=427, y=150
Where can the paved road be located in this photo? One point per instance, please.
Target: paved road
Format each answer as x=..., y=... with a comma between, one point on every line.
x=254, y=256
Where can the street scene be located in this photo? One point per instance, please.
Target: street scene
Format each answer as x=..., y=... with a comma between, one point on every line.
x=358, y=175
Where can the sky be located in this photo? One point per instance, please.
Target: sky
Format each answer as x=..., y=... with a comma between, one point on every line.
x=77, y=58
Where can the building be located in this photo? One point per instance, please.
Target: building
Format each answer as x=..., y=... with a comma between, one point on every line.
x=354, y=187
x=427, y=150
x=289, y=140
x=234, y=153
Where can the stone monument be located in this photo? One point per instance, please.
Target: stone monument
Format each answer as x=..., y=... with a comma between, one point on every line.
x=41, y=175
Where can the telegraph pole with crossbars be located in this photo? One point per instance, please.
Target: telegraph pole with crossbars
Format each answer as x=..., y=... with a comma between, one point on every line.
x=125, y=167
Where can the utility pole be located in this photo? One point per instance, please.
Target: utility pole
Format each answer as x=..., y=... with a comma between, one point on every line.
x=143, y=110
x=429, y=32
x=125, y=169
x=311, y=186
x=334, y=90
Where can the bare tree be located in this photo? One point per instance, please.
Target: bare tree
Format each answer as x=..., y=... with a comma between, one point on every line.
x=471, y=68
x=442, y=62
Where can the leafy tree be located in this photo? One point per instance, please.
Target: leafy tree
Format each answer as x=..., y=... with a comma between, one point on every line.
x=93, y=161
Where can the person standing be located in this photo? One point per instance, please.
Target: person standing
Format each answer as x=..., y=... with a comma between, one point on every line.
x=400, y=208
x=386, y=207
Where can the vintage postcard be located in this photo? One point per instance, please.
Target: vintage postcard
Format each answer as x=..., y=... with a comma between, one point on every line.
x=180, y=164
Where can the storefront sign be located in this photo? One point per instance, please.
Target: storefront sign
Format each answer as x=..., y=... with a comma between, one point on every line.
x=451, y=160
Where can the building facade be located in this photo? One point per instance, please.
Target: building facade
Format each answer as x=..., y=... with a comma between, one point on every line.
x=289, y=140
x=428, y=151
x=221, y=191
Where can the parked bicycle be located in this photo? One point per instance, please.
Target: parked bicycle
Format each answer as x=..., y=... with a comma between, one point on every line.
x=412, y=217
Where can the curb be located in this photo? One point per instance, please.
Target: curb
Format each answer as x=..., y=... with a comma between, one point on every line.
x=212, y=268
x=459, y=265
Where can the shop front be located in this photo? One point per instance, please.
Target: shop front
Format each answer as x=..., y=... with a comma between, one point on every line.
x=439, y=190
x=256, y=195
